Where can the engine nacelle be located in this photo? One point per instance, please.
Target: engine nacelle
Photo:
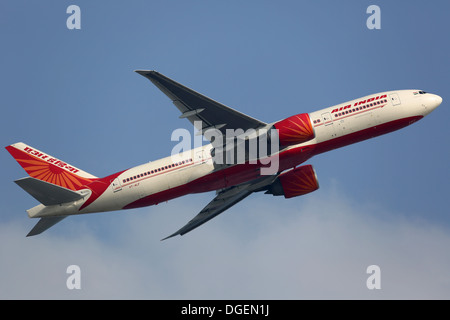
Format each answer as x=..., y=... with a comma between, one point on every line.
x=294, y=130
x=296, y=182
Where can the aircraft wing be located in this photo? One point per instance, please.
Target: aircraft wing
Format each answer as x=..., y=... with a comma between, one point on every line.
x=224, y=199
x=197, y=107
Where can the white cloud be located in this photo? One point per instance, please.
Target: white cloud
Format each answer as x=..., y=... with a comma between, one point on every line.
x=264, y=247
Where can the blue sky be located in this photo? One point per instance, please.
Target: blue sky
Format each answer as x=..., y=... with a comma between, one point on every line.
x=73, y=94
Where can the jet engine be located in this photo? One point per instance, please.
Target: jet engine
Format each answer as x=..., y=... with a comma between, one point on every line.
x=296, y=182
x=295, y=129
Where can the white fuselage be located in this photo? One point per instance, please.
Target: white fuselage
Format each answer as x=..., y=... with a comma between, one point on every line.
x=193, y=171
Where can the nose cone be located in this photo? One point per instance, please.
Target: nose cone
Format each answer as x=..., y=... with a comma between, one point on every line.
x=434, y=101
x=431, y=102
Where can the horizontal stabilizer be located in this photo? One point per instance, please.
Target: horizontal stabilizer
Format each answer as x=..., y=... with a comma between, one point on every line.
x=47, y=193
x=43, y=224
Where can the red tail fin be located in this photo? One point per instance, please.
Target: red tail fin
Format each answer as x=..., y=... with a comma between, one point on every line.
x=42, y=166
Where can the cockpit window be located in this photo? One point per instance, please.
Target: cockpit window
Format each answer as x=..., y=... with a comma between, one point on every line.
x=422, y=92
x=419, y=92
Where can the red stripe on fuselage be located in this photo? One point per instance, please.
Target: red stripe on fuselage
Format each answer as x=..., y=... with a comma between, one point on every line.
x=98, y=187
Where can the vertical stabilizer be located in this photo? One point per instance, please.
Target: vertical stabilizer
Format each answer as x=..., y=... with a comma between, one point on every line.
x=42, y=166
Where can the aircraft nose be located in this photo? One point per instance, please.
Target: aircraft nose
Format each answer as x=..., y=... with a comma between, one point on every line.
x=434, y=101
x=431, y=102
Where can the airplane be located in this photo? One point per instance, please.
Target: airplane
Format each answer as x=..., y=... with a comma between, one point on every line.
x=64, y=190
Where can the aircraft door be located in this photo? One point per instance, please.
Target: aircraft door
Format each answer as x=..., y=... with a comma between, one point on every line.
x=115, y=185
x=200, y=156
x=395, y=100
x=328, y=126
x=326, y=118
